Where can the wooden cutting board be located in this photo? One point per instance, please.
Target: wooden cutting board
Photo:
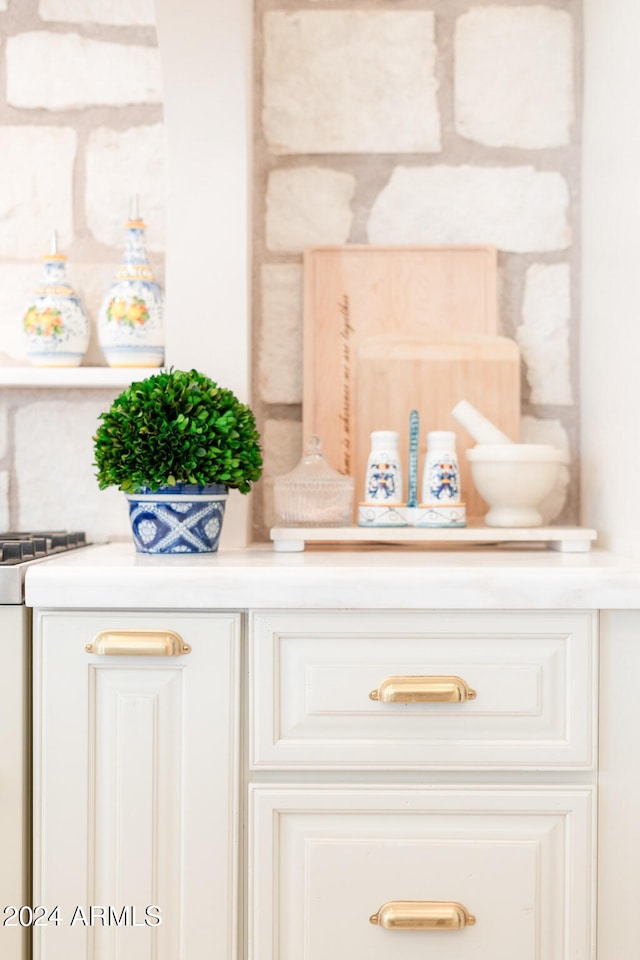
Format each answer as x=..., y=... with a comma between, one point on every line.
x=354, y=293
x=431, y=373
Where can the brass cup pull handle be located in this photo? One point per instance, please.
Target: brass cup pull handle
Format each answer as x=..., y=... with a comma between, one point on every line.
x=138, y=643
x=422, y=915
x=423, y=690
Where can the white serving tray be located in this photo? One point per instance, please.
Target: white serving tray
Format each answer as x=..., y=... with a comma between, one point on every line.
x=566, y=539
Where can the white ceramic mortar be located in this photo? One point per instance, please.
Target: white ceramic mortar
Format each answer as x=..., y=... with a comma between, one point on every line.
x=514, y=479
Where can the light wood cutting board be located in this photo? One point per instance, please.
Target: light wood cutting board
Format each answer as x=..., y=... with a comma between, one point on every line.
x=353, y=293
x=431, y=373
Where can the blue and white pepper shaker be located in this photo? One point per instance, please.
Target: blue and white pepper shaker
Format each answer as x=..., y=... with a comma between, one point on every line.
x=383, y=506
x=441, y=477
x=384, y=470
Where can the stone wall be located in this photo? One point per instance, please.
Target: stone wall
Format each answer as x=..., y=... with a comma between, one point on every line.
x=376, y=121
x=441, y=121
x=80, y=132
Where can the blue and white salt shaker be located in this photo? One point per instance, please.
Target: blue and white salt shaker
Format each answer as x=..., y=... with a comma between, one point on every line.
x=384, y=472
x=441, y=477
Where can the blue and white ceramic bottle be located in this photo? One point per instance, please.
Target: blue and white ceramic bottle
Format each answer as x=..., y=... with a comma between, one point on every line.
x=55, y=325
x=441, y=496
x=383, y=483
x=441, y=478
x=131, y=318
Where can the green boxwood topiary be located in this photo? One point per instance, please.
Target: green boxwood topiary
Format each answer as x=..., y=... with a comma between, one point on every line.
x=177, y=427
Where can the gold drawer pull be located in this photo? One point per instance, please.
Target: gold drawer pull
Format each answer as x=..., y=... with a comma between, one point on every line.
x=138, y=643
x=422, y=915
x=423, y=690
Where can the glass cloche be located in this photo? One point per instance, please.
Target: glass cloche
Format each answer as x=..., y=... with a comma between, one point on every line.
x=313, y=494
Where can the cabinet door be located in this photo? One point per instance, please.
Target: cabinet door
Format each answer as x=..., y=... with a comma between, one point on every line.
x=324, y=860
x=135, y=769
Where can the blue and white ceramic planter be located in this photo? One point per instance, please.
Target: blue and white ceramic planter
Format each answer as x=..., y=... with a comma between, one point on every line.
x=186, y=518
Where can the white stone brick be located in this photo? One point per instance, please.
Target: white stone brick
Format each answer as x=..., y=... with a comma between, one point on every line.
x=280, y=354
x=4, y=432
x=514, y=76
x=121, y=163
x=5, y=523
x=63, y=71
x=36, y=188
x=350, y=81
x=117, y=12
x=516, y=208
x=533, y=430
x=544, y=334
x=67, y=497
x=308, y=205
x=282, y=446
x=282, y=449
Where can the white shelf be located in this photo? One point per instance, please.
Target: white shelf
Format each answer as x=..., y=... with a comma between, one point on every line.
x=87, y=377
x=566, y=539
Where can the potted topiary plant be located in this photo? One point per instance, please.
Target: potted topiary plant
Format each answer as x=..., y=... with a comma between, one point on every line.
x=175, y=443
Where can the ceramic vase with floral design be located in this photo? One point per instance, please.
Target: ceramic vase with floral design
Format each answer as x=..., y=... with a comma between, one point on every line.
x=55, y=324
x=130, y=322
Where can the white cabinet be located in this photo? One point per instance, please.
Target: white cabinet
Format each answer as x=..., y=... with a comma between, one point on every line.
x=481, y=730
x=14, y=780
x=434, y=771
x=324, y=860
x=136, y=785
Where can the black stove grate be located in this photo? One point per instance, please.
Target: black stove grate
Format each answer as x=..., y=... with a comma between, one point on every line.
x=20, y=547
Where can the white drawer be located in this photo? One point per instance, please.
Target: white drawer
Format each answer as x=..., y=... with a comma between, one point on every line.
x=324, y=860
x=312, y=673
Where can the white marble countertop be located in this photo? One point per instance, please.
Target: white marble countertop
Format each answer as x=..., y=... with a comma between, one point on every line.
x=114, y=576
